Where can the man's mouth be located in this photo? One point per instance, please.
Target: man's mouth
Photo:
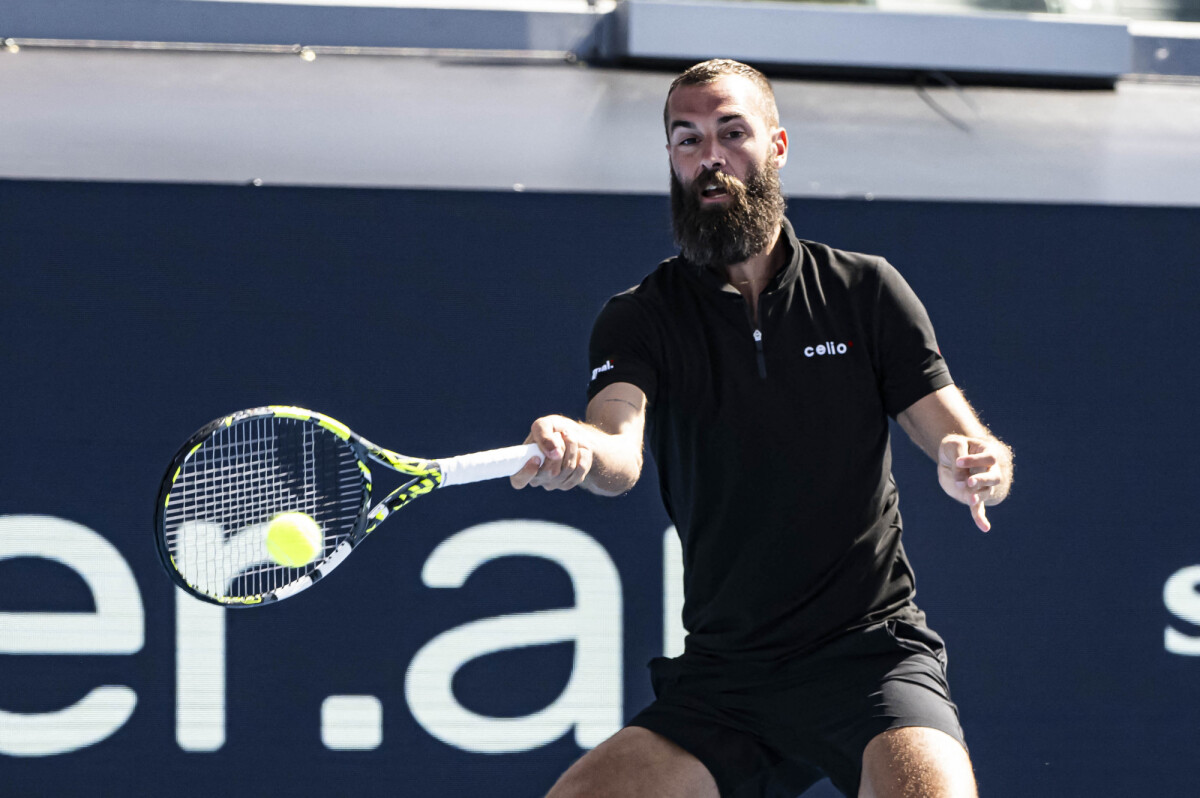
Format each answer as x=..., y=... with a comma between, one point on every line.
x=713, y=190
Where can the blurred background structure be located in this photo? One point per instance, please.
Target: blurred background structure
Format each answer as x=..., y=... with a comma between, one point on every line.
x=923, y=100
x=406, y=215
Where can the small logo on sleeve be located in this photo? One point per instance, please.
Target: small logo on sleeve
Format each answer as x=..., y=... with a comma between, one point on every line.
x=596, y=372
x=828, y=348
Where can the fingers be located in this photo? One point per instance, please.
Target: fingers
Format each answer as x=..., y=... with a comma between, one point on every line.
x=970, y=472
x=541, y=433
x=523, y=477
x=978, y=487
x=978, y=490
x=953, y=447
x=567, y=460
x=971, y=461
x=571, y=478
x=570, y=453
x=547, y=434
x=983, y=473
x=976, y=461
x=952, y=455
x=979, y=483
x=979, y=512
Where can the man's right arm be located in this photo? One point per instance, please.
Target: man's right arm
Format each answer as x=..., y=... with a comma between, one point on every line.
x=603, y=454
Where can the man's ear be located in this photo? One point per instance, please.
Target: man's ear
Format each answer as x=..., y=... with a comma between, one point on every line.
x=779, y=145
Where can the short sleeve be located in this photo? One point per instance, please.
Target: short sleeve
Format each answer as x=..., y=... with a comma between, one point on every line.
x=910, y=364
x=622, y=348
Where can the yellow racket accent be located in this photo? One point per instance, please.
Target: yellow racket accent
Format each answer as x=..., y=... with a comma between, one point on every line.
x=336, y=427
x=284, y=411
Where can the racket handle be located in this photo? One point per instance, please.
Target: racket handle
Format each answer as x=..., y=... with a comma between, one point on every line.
x=492, y=464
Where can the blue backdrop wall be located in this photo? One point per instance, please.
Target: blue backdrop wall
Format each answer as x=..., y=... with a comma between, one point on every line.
x=442, y=322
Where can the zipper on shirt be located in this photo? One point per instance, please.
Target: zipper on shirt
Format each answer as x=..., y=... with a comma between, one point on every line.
x=758, y=350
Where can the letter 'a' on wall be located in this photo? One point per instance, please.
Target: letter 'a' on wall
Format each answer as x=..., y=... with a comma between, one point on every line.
x=592, y=699
x=116, y=627
x=1181, y=594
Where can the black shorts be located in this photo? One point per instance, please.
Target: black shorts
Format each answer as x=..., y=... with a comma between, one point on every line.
x=774, y=731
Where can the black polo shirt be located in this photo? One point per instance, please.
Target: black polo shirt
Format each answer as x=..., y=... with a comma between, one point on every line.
x=772, y=444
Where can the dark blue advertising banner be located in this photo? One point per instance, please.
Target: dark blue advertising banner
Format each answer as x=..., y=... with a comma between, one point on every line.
x=479, y=642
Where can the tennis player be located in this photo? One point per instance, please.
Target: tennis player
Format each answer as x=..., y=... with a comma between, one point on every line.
x=762, y=369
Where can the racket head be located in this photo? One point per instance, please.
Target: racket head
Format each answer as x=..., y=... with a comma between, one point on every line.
x=233, y=476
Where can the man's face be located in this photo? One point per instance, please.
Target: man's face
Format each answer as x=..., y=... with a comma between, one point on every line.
x=726, y=199
x=721, y=126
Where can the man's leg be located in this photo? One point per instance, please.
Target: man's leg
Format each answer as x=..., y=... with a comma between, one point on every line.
x=918, y=762
x=636, y=763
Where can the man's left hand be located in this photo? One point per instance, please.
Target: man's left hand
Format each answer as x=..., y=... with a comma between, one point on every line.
x=976, y=472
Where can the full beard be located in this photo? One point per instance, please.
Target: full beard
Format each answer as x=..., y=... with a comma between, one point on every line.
x=722, y=234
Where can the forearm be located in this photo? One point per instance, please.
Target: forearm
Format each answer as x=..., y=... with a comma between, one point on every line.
x=616, y=461
x=603, y=454
x=944, y=412
x=616, y=422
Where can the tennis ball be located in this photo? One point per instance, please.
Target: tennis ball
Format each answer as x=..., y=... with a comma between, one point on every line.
x=294, y=539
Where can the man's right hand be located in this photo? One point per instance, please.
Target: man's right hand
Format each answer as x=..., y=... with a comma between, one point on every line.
x=603, y=455
x=568, y=455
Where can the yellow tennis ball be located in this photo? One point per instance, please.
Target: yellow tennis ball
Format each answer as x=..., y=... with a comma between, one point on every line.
x=294, y=539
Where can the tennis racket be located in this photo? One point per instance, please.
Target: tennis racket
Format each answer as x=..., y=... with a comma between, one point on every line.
x=237, y=473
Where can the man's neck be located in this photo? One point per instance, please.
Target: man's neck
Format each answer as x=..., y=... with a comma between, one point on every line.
x=751, y=276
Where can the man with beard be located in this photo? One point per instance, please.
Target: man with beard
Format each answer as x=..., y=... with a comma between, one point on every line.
x=762, y=369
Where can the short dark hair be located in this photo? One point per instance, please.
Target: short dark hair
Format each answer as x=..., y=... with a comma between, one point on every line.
x=710, y=71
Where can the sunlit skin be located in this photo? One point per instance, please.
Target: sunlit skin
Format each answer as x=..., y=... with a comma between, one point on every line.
x=723, y=127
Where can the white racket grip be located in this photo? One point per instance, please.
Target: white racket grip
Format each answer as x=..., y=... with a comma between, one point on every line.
x=492, y=464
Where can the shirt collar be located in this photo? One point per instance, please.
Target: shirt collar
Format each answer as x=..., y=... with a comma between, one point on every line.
x=783, y=278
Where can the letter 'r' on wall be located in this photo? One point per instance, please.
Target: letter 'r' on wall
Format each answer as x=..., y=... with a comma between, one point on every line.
x=115, y=627
x=199, y=674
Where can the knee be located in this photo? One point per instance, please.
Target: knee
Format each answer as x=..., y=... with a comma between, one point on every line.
x=578, y=782
x=916, y=761
x=636, y=763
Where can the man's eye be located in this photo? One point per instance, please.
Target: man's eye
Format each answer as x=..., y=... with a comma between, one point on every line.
x=735, y=134
x=688, y=140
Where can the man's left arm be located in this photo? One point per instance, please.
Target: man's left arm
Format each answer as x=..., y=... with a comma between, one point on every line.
x=974, y=466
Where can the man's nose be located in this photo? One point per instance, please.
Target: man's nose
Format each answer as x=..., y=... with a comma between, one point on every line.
x=712, y=157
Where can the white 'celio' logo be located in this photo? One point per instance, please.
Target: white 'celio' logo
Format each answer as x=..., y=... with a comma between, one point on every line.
x=828, y=348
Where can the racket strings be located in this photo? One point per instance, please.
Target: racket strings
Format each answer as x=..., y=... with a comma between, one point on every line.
x=239, y=479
